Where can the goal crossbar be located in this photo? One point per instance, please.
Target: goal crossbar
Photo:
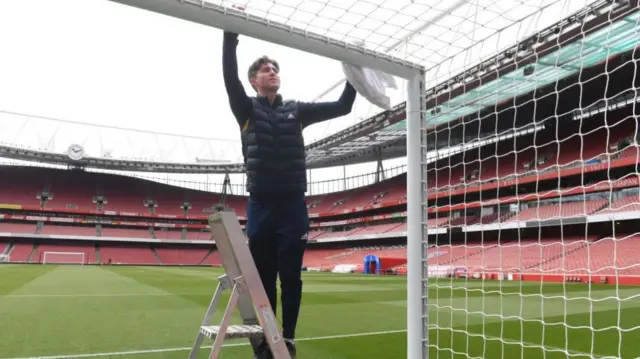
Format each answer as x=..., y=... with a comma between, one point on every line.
x=47, y=255
x=230, y=19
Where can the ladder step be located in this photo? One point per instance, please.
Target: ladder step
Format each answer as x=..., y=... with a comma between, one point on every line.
x=233, y=331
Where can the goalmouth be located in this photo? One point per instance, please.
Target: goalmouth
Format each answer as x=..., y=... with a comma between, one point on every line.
x=77, y=258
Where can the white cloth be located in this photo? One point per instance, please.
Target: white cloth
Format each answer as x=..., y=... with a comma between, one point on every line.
x=370, y=84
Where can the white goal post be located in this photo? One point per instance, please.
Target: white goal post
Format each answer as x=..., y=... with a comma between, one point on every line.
x=5, y=258
x=235, y=20
x=63, y=258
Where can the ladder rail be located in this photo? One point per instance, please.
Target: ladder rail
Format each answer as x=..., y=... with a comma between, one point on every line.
x=223, y=283
x=231, y=305
x=247, y=296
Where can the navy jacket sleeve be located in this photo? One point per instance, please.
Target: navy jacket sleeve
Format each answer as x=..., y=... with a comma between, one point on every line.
x=241, y=104
x=311, y=113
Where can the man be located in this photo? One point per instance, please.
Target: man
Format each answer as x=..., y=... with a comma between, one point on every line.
x=274, y=157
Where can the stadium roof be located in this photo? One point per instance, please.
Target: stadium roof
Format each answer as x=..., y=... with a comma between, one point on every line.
x=586, y=38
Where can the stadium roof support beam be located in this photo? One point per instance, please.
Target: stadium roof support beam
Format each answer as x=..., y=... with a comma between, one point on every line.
x=595, y=16
x=237, y=21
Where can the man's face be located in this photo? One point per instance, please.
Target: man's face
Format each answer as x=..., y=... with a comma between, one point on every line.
x=267, y=79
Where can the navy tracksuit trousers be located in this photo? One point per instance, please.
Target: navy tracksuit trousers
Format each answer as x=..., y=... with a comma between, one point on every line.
x=277, y=228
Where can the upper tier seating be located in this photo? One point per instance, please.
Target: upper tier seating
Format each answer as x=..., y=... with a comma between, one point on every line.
x=80, y=190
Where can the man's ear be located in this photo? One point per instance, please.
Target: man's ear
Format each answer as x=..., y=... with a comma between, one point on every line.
x=252, y=81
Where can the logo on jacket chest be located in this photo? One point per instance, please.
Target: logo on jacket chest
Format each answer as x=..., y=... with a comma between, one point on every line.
x=285, y=119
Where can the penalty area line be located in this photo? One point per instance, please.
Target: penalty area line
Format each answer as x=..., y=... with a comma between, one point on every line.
x=168, y=350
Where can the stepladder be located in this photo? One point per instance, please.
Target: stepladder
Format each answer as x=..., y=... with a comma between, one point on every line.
x=247, y=295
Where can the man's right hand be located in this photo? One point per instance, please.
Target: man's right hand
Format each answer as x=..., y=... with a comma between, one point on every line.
x=230, y=34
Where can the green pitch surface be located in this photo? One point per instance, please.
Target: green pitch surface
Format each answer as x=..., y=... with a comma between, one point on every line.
x=154, y=312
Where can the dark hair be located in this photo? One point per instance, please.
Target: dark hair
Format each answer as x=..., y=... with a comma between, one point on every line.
x=256, y=65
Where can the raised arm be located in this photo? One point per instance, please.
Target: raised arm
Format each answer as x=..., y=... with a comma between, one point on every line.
x=311, y=113
x=240, y=103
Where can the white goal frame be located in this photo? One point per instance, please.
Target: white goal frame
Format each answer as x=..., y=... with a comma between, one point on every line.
x=5, y=258
x=223, y=18
x=44, y=257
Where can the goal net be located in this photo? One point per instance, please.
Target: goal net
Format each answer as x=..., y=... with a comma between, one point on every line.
x=522, y=183
x=63, y=258
x=531, y=192
x=5, y=258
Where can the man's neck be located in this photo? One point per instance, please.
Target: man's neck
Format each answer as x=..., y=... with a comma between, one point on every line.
x=271, y=96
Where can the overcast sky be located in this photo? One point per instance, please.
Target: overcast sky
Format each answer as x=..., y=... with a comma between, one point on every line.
x=98, y=62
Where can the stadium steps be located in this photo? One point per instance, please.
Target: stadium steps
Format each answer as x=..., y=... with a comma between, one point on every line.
x=98, y=255
x=563, y=254
x=606, y=204
x=152, y=232
x=341, y=255
x=8, y=249
x=45, y=189
x=481, y=250
x=337, y=204
x=400, y=224
x=155, y=254
x=213, y=249
x=39, y=227
x=504, y=217
x=33, y=252
x=355, y=231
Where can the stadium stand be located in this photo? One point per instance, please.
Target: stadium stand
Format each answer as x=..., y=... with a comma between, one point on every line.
x=556, y=178
x=541, y=255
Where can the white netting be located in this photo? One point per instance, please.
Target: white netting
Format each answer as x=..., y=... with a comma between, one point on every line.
x=5, y=258
x=63, y=258
x=532, y=198
x=444, y=36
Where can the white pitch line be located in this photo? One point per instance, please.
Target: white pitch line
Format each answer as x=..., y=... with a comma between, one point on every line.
x=107, y=295
x=70, y=295
x=167, y=350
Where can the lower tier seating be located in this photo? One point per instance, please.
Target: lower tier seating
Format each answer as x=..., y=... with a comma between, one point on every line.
x=597, y=255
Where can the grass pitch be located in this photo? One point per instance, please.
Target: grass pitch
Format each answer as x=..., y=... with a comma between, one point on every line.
x=154, y=312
